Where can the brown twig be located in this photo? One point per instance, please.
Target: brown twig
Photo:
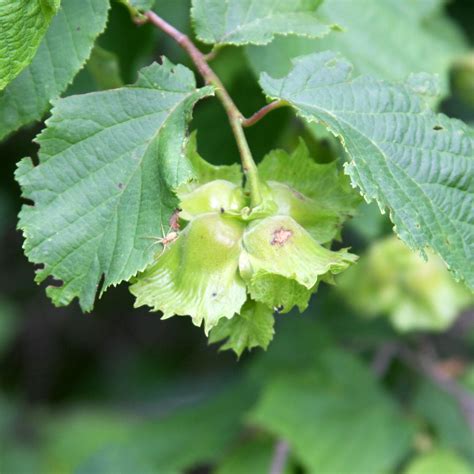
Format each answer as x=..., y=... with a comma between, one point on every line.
x=233, y=113
x=382, y=358
x=280, y=456
x=427, y=367
x=257, y=116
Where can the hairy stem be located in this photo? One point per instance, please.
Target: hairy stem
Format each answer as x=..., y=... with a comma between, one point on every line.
x=233, y=113
x=257, y=116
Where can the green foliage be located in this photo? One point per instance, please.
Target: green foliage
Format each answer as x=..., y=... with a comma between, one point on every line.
x=327, y=421
x=198, y=275
x=227, y=250
x=446, y=418
x=96, y=430
x=130, y=140
x=394, y=281
x=252, y=456
x=253, y=327
x=438, y=461
x=463, y=73
x=141, y=5
x=62, y=53
x=241, y=22
x=329, y=199
x=104, y=68
x=397, y=148
x=204, y=430
x=22, y=26
x=375, y=40
x=118, y=192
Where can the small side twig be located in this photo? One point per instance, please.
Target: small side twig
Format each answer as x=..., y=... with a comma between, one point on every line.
x=211, y=55
x=280, y=457
x=257, y=116
x=382, y=358
x=444, y=381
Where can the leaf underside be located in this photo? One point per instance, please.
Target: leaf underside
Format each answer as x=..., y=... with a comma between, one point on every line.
x=418, y=164
x=62, y=53
x=108, y=164
x=241, y=22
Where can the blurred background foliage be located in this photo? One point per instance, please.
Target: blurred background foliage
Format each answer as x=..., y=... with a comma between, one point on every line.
x=376, y=376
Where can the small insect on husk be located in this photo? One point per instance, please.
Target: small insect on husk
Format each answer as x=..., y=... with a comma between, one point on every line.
x=166, y=240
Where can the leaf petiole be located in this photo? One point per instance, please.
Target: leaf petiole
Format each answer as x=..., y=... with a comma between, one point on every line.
x=259, y=114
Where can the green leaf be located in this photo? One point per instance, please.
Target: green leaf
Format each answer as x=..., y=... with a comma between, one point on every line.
x=137, y=6
x=254, y=455
x=463, y=78
x=438, y=461
x=416, y=163
x=142, y=4
x=334, y=416
x=71, y=438
x=278, y=292
x=394, y=281
x=189, y=436
x=253, y=327
x=319, y=197
x=256, y=21
x=108, y=164
x=445, y=418
x=62, y=53
x=23, y=24
x=374, y=39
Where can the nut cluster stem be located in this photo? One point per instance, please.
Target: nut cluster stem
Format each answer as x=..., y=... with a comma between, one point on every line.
x=236, y=119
